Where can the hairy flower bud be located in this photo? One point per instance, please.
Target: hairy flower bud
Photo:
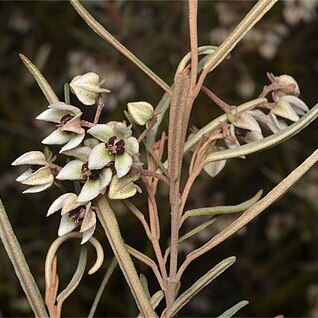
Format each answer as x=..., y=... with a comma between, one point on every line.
x=86, y=87
x=141, y=112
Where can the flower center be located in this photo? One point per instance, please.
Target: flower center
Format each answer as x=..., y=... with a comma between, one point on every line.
x=241, y=132
x=115, y=146
x=77, y=214
x=65, y=119
x=34, y=168
x=90, y=174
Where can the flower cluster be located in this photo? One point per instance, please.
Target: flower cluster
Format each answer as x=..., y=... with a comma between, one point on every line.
x=97, y=156
x=286, y=107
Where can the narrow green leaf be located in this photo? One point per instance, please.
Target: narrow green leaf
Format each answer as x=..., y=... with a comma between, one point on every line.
x=102, y=286
x=42, y=82
x=233, y=310
x=202, y=282
x=20, y=265
x=224, y=209
x=197, y=229
x=109, y=222
x=155, y=300
x=77, y=277
x=267, y=142
x=144, y=283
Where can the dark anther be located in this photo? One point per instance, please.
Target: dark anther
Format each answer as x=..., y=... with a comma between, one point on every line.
x=78, y=213
x=65, y=119
x=115, y=146
x=90, y=174
x=34, y=168
x=241, y=132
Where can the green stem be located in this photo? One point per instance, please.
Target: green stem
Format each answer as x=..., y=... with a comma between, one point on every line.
x=102, y=286
x=109, y=222
x=20, y=265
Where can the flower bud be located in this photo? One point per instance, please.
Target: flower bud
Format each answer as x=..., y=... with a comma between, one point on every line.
x=123, y=188
x=141, y=112
x=86, y=87
x=287, y=80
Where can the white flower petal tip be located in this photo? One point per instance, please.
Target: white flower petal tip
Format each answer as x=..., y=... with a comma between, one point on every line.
x=58, y=203
x=72, y=171
x=67, y=225
x=90, y=191
x=214, y=168
x=36, y=189
x=75, y=140
x=39, y=177
x=285, y=110
x=122, y=188
x=86, y=87
x=88, y=234
x=31, y=158
x=99, y=157
x=123, y=164
x=141, y=112
x=246, y=121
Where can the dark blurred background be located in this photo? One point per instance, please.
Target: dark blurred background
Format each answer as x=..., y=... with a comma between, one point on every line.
x=277, y=254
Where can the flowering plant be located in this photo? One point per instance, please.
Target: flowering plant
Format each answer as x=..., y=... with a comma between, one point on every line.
x=104, y=160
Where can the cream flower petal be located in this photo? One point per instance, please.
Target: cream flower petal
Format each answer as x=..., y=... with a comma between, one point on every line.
x=74, y=142
x=88, y=234
x=31, y=158
x=58, y=203
x=69, y=109
x=52, y=115
x=39, y=177
x=57, y=137
x=99, y=157
x=214, y=168
x=89, y=191
x=123, y=188
x=246, y=121
x=71, y=171
x=25, y=175
x=88, y=221
x=70, y=203
x=81, y=153
x=229, y=143
x=131, y=146
x=105, y=177
x=102, y=132
x=66, y=225
x=123, y=164
x=253, y=136
x=284, y=109
x=38, y=188
x=299, y=106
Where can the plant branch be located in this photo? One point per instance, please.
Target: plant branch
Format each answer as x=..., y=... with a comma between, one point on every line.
x=218, y=101
x=253, y=211
x=20, y=265
x=110, y=225
x=102, y=286
x=255, y=14
x=103, y=33
x=193, y=16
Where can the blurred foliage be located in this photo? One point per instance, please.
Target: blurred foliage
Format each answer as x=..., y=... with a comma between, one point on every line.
x=277, y=255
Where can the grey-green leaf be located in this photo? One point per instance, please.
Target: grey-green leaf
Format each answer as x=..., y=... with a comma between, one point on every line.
x=202, y=282
x=224, y=209
x=42, y=82
x=233, y=310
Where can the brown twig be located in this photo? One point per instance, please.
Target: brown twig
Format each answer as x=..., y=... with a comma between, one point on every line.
x=151, y=123
x=218, y=101
x=148, y=173
x=253, y=211
x=99, y=109
x=193, y=29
